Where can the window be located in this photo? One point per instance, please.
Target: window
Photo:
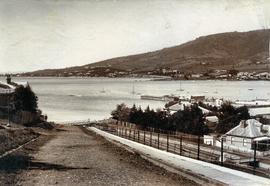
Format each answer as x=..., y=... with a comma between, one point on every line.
x=232, y=140
x=245, y=141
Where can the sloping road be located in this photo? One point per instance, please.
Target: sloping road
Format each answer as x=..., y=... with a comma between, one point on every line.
x=75, y=157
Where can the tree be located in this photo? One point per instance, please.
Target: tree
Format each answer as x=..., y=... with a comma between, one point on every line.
x=25, y=99
x=133, y=114
x=121, y=113
x=230, y=117
x=190, y=120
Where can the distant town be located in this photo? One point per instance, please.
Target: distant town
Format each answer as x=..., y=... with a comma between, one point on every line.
x=166, y=73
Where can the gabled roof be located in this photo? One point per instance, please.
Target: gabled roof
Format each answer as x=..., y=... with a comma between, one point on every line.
x=250, y=128
x=213, y=119
x=204, y=111
x=22, y=83
x=6, y=86
x=179, y=106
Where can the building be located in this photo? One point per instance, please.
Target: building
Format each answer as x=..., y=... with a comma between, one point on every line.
x=211, y=121
x=246, y=134
x=210, y=139
x=214, y=102
x=7, y=90
x=196, y=99
x=178, y=106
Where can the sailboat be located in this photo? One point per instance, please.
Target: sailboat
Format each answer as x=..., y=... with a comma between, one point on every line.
x=180, y=86
x=133, y=88
x=268, y=50
x=103, y=90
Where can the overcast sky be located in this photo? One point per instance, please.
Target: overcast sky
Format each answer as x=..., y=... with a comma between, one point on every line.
x=38, y=34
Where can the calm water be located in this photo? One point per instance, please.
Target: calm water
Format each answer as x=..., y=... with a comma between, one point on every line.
x=65, y=99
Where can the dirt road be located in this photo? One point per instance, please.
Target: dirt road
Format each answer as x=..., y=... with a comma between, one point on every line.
x=76, y=157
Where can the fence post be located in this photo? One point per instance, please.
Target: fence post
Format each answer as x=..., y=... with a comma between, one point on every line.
x=254, y=158
x=150, y=138
x=167, y=142
x=129, y=134
x=181, y=140
x=158, y=140
x=139, y=136
x=134, y=135
x=198, y=153
x=144, y=136
x=221, y=152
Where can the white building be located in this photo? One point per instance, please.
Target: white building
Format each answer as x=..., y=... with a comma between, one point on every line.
x=244, y=136
x=211, y=121
x=178, y=106
x=214, y=102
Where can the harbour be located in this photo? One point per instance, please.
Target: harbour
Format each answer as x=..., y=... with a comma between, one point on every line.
x=80, y=98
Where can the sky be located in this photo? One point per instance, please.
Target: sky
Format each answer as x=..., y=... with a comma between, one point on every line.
x=42, y=34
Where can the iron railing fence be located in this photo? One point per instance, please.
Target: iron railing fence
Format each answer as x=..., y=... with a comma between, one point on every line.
x=193, y=147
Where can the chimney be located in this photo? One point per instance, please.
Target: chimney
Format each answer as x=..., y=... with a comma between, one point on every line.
x=243, y=124
x=8, y=79
x=262, y=130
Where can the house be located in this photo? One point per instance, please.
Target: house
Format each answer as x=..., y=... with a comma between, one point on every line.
x=196, y=75
x=211, y=121
x=246, y=134
x=6, y=93
x=178, y=106
x=7, y=104
x=181, y=105
x=214, y=102
x=263, y=75
x=196, y=99
x=210, y=139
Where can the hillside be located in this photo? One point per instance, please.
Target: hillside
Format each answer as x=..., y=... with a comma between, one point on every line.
x=243, y=51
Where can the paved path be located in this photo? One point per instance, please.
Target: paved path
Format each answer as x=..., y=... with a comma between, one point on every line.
x=76, y=158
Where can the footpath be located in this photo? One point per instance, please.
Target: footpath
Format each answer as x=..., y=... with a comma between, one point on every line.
x=77, y=156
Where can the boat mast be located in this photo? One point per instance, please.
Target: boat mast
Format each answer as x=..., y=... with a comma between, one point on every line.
x=133, y=88
x=268, y=59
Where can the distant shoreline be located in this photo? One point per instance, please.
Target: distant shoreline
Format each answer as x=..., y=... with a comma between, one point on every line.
x=156, y=78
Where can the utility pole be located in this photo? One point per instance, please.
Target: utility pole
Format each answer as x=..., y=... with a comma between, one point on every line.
x=221, y=151
x=8, y=111
x=254, y=157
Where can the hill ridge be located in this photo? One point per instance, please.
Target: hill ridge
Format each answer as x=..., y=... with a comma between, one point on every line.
x=243, y=51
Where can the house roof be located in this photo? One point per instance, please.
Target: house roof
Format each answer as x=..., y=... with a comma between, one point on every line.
x=176, y=107
x=179, y=106
x=6, y=88
x=250, y=128
x=213, y=119
x=22, y=83
x=204, y=111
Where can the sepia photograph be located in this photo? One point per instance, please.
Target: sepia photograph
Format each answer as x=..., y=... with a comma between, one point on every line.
x=135, y=93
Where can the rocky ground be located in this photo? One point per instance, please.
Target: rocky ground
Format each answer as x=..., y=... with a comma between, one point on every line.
x=73, y=156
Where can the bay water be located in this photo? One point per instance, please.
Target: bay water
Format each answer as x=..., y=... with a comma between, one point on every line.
x=72, y=99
